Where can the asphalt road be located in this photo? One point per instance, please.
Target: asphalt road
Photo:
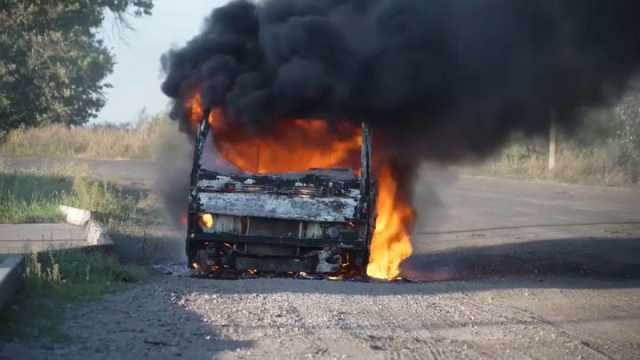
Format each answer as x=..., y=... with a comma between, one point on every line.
x=467, y=225
x=525, y=269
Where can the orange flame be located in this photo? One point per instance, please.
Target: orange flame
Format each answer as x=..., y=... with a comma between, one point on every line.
x=295, y=145
x=289, y=146
x=194, y=111
x=391, y=242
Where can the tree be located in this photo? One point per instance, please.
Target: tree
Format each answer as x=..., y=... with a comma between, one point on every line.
x=52, y=63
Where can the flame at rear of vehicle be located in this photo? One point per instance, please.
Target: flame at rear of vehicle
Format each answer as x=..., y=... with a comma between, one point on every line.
x=391, y=242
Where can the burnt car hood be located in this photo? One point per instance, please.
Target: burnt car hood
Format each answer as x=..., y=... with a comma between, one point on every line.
x=317, y=195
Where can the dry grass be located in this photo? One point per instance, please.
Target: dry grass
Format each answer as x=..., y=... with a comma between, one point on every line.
x=594, y=166
x=155, y=137
x=104, y=142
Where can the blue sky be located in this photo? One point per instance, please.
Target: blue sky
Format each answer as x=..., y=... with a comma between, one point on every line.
x=137, y=75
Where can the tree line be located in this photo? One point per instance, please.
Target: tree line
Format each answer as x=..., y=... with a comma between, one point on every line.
x=52, y=61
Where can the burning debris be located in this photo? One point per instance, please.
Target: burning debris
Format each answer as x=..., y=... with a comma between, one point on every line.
x=286, y=84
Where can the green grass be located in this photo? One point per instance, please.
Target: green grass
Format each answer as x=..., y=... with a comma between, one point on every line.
x=34, y=197
x=53, y=282
x=31, y=198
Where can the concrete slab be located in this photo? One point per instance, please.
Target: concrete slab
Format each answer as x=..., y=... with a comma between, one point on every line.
x=26, y=238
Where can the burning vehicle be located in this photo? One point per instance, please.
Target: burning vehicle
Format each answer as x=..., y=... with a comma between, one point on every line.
x=285, y=84
x=317, y=221
x=304, y=196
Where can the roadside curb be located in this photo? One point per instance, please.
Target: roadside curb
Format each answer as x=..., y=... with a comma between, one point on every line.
x=11, y=270
x=25, y=239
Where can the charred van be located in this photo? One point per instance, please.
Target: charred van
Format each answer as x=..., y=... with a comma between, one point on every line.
x=317, y=222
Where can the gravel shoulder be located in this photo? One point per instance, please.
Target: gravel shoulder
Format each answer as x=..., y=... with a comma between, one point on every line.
x=174, y=317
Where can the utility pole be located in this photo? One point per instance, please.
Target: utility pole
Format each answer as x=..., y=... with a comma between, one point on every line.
x=553, y=138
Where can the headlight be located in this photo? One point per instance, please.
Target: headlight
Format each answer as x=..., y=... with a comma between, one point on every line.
x=206, y=221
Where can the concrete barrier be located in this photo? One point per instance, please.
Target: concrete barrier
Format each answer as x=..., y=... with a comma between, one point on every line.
x=11, y=270
x=96, y=234
x=75, y=216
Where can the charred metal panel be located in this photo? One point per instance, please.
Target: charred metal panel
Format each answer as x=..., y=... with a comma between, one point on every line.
x=292, y=184
x=275, y=264
x=328, y=261
x=203, y=131
x=273, y=227
x=349, y=240
x=312, y=231
x=269, y=250
x=227, y=224
x=325, y=209
x=281, y=228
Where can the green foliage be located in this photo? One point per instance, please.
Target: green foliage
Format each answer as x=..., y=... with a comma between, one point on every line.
x=55, y=280
x=53, y=64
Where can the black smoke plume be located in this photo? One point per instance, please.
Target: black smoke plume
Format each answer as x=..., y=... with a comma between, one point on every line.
x=439, y=79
